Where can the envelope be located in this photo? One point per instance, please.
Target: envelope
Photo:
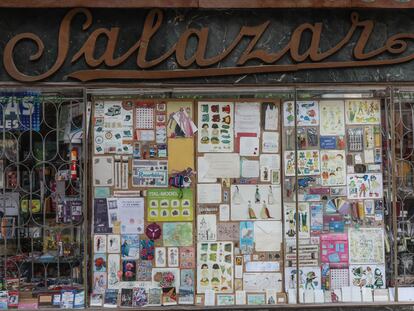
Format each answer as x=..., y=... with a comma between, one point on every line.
x=268, y=235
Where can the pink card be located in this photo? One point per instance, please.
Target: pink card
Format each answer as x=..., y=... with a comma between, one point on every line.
x=334, y=249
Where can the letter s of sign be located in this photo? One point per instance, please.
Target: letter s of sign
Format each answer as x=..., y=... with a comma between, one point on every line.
x=63, y=47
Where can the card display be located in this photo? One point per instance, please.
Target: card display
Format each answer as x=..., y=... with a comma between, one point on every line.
x=170, y=205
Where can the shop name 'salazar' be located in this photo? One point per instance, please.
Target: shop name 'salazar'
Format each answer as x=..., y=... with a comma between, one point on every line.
x=201, y=66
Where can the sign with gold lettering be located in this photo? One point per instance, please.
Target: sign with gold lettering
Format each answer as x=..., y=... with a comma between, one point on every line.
x=178, y=48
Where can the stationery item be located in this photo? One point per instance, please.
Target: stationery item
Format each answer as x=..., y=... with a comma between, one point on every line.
x=215, y=267
x=256, y=299
x=270, y=142
x=332, y=117
x=363, y=111
x=271, y=116
x=166, y=277
x=212, y=166
x=103, y=171
x=207, y=227
x=247, y=118
x=228, y=231
x=180, y=154
x=260, y=282
x=149, y=173
x=180, y=119
x=308, y=162
x=251, y=202
x=290, y=220
x=334, y=249
x=308, y=296
x=130, y=246
x=370, y=276
x=208, y=193
x=224, y=212
x=172, y=256
x=307, y=113
x=367, y=294
x=250, y=169
x=114, y=243
x=215, y=120
x=381, y=295
x=246, y=237
x=99, y=243
x=333, y=167
x=177, y=234
x=170, y=204
x=114, y=268
x=364, y=186
x=111, y=298
x=187, y=257
x=249, y=146
x=355, y=139
x=225, y=299
x=131, y=215
x=339, y=278
x=309, y=277
x=366, y=246
x=209, y=297
x=267, y=236
x=318, y=296
x=240, y=297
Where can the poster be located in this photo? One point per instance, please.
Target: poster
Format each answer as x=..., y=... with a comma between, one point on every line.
x=215, y=121
x=180, y=119
x=307, y=113
x=366, y=246
x=177, y=234
x=308, y=162
x=363, y=111
x=150, y=173
x=166, y=277
x=207, y=227
x=113, y=128
x=333, y=167
x=364, y=186
x=290, y=220
x=100, y=216
x=369, y=276
x=334, y=249
x=170, y=204
x=215, y=267
x=131, y=215
x=114, y=266
x=251, y=202
x=309, y=278
x=332, y=114
x=260, y=282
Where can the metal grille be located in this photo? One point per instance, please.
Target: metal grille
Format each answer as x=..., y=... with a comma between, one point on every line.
x=42, y=199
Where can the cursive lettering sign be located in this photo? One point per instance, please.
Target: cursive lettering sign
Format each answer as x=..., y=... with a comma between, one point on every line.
x=105, y=65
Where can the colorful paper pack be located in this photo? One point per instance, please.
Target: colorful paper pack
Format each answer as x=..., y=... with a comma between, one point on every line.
x=290, y=220
x=180, y=119
x=334, y=249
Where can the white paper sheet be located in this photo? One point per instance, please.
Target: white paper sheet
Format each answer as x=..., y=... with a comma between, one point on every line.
x=209, y=297
x=209, y=193
x=247, y=118
x=250, y=169
x=262, y=266
x=240, y=297
x=249, y=146
x=270, y=142
x=219, y=166
x=259, y=282
x=131, y=215
x=272, y=161
x=202, y=169
x=224, y=212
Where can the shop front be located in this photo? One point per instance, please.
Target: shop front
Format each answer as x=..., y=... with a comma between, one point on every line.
x=205, y=157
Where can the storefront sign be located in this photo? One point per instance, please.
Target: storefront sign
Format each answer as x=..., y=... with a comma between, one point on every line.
x=19, y=112
x=306, y=49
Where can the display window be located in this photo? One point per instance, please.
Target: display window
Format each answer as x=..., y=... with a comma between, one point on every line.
x=293, y=196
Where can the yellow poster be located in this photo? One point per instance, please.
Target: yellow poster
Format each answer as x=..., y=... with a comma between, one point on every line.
x=180, y=154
